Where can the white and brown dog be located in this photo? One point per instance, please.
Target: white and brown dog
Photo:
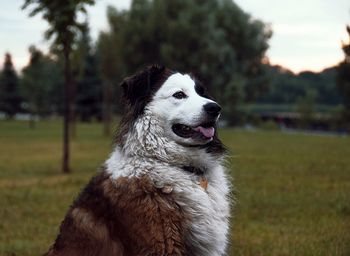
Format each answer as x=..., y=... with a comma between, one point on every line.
x=163, y=190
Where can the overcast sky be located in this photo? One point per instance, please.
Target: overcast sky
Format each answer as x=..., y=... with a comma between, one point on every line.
x=307, y=34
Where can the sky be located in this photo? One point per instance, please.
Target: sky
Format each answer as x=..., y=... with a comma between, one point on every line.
x=307, y=35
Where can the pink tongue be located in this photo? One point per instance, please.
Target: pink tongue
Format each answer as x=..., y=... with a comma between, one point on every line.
x=207, y=132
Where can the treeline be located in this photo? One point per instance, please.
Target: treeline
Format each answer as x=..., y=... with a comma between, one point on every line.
x=38, y=88
x=285, y=87
x=214, y=40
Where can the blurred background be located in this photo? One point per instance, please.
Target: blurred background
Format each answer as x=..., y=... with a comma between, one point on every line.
x=280, y=70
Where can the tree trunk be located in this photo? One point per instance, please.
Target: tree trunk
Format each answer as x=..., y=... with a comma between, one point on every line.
x=107, y=109
x=67, y=109
x=73, y=121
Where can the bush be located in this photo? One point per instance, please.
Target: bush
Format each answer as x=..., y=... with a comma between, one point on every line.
x=269, y=125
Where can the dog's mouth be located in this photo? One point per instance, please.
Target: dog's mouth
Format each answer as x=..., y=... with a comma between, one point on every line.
x=204, y=131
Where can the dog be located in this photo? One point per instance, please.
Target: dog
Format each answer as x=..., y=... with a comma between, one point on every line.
x=163, y=190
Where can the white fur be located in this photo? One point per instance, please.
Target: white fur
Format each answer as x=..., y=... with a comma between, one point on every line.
x=188, y=111
x=150, y=149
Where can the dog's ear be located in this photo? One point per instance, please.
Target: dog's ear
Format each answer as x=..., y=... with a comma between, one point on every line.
x=141, y=85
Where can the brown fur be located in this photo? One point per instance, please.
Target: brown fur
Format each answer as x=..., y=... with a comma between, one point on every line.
x=127, y=216
x=138, y=92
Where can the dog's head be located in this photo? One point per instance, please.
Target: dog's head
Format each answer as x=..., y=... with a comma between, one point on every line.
x=188, y=114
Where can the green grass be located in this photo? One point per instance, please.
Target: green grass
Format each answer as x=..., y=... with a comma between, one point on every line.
x=292, y=191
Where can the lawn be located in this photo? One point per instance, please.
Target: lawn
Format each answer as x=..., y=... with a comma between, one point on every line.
x=292, y=191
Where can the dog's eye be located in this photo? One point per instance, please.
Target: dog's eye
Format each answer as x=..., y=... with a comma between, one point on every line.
x=179, y=95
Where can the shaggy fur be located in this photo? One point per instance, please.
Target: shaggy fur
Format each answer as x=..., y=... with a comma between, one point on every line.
x=147, y=200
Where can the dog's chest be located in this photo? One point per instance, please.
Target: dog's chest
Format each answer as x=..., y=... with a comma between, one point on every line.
x=203, y=198
x=205, y=206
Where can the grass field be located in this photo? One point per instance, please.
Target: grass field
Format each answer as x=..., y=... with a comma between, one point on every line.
x=292, y=191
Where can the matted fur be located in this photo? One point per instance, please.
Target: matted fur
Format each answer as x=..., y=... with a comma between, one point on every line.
x=143, y=202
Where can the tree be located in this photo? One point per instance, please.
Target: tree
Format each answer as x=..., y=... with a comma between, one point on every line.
x=38, y=84
x=343, y=81
x=213, y=39
x=89, y=88
x=62, y=18
x=111, y=66
x=10, y=99
x=306, y=108
x=287, y=87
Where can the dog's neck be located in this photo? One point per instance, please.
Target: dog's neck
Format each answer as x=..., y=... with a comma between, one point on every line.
x=147, y=139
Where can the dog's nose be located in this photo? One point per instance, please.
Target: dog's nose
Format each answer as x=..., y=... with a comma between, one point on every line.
x=212, y=109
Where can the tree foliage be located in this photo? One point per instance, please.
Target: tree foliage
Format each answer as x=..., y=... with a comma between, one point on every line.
x=287, y=87
x=110, y=50
x=41, y=80
x=215, y=40
x=306, y=108
x=89, y=89
x=10, y=99
x=111, y=66
x=62, y=17
x=343, y=80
